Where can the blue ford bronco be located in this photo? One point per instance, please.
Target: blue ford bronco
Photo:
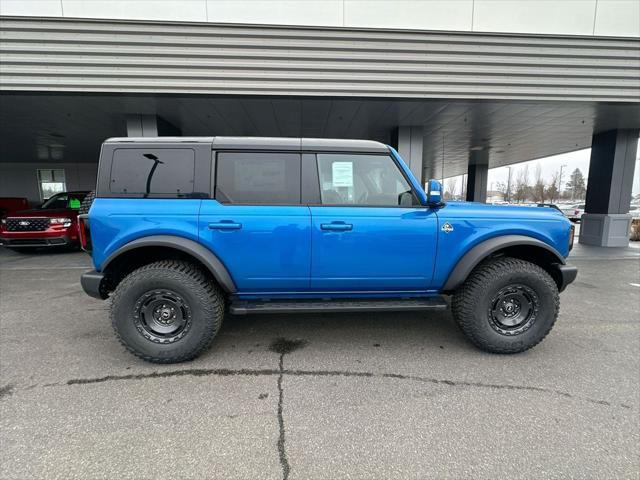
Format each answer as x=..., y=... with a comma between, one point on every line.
x=185, y=230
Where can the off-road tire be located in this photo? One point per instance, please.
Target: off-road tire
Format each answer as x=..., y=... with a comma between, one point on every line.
x=205, y=304
x=86, y=203
x=472, y=304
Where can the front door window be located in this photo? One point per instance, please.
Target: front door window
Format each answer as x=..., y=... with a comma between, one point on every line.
x=361, y=180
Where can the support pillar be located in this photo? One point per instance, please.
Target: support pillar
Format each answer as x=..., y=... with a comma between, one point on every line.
x=408, y=141
x=606, y=220
x=477, y=174
x=150, y=126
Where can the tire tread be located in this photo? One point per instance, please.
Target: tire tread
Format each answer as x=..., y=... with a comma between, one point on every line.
x=208, y=295
x=464, y=302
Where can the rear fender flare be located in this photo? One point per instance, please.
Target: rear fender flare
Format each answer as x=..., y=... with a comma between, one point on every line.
x=200, y=253
x=481, y=251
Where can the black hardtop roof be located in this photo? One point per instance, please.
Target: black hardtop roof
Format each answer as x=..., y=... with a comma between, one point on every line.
x=265, y=143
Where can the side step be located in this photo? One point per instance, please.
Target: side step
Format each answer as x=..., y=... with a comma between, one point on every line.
x=243, y=307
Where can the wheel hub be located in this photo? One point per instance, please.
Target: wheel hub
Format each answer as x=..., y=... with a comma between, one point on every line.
x=513, y=309
x=162, y=316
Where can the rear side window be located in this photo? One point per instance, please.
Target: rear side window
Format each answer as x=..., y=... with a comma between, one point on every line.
x=258, y=178
x=157, y=172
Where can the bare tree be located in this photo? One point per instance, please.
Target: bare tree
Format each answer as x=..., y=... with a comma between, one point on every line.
x=552, y=188
x=501, y=188
x=522, y=187
x=538, y=190
x=451, y=186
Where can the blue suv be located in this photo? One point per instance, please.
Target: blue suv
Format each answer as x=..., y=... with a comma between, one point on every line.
x=185, y=230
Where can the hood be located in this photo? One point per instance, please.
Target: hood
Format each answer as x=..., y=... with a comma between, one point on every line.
x=47, y=213
x=473, y=209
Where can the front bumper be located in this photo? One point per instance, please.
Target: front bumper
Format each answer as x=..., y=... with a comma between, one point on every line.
x=93, y=284
x=25, y=241
x=565, y=275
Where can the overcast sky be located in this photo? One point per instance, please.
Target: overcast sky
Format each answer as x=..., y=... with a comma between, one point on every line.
x=550, y=166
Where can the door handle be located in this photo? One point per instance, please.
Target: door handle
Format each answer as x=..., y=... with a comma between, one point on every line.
x=336, y=226
x=225, y=225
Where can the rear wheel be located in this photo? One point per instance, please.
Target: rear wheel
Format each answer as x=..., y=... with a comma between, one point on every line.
x=507, y=305
x=167, y=312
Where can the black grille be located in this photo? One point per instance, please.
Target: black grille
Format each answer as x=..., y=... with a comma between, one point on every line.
x=27, y=224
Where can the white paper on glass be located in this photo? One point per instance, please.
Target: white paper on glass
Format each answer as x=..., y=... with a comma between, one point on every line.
x=342, y=174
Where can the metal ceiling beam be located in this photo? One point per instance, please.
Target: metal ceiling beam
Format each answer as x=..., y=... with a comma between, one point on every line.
x=82, y=55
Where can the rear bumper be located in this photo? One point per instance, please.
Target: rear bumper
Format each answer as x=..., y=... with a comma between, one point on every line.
x=25, y=241
x=92, y=284
x=566, y=275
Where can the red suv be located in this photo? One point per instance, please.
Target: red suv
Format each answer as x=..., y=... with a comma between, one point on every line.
x=55, y=223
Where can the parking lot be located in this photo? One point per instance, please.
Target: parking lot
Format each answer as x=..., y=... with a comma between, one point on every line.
x=318, y=396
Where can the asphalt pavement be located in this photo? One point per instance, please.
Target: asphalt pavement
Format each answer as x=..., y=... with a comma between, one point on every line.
x=325, y=396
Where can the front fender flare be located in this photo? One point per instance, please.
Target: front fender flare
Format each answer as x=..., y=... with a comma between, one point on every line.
x=481, y=251
x=202, y=254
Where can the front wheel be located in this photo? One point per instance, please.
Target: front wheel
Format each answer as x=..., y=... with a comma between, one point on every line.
x=167, y=312
x=507, y=305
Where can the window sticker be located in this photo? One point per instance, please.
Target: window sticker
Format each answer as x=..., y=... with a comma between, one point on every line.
x=74, y=204
x=342, y=174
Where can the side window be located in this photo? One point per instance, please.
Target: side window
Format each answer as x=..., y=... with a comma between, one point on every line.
x=153, y=171
x=371, y=180
x=258, y=178
x=57, y=201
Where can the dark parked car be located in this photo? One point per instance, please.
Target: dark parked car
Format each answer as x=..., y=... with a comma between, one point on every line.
x=55, y=223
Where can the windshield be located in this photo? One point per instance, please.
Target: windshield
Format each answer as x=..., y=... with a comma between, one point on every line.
x=64, y=200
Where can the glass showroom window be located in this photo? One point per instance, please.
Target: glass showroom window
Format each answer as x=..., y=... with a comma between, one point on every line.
x=50, y=182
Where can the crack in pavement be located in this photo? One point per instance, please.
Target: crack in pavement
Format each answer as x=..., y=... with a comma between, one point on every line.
x=283, y=346
x=284, y=462
x=227, y=372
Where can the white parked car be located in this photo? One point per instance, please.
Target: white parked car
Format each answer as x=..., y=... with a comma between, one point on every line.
x=573, y=212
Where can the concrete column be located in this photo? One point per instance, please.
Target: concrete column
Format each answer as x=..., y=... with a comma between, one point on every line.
x=477, y=174
x=408, y=141
x=150, y=126
x=606, y=220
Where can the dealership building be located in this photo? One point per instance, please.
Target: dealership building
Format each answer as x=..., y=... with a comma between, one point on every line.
x=458, y=86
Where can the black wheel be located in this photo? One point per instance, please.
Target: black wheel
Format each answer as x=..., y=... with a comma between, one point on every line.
x=86, y=203
x=166, y=312
x=507, y=305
